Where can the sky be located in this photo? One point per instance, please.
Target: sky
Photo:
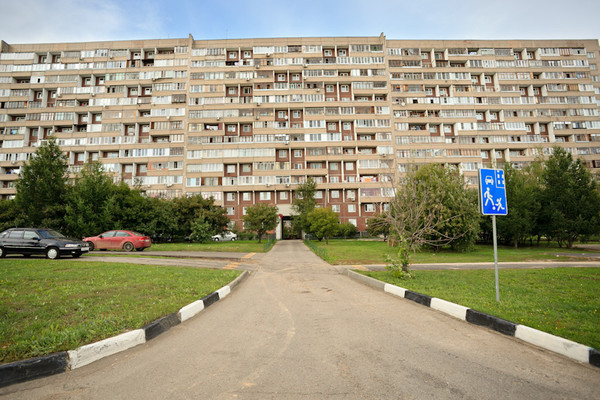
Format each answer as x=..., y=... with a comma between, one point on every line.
x=52, y=21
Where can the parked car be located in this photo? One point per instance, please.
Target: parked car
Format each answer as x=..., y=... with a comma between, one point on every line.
x=28, y=241
x=119, y=239
x=224, y=237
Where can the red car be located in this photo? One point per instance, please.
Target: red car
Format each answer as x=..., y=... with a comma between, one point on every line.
x=115, y=240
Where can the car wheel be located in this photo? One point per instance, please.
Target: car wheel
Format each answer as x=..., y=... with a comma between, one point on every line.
x=2, y=252
x=91, y=246
x=141, y=249
x=76, y=255
x=26, y=255
x=216, y=239
x=52, y=253
x=233, y=239
x=128, y=246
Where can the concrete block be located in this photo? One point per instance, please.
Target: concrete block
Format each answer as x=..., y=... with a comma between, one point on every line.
x=395, y=290
x=418, y=298
x=489, y=321
x=224, y=292
x=87, y=354
x=455, y=310
x=190, y=310
x=553, y=343
x=33, y=368
x=161, y=325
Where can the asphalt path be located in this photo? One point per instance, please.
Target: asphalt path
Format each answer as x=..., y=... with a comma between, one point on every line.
x=299, y=329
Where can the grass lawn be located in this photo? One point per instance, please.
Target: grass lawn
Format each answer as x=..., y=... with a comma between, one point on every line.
x=561, y=301
x=349, y=252
x=241, y=246
x=48, y=306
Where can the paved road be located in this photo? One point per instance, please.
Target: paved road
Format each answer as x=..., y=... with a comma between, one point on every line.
x=298, y=329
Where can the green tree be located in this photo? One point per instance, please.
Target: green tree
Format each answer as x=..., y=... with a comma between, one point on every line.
x=261, y=218
x=378, y=225
x=201, y=231
x=346, y=230
x=418, y=216
x=458, y=210
x=522, y=198
x=188, y=209
x=304, y=203
x=570, y=201
x=8, y=214
x=42, y=187
x=323, y=223
x=92, y=189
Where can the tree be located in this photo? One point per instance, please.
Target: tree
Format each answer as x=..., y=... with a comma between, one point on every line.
x=416, y=217
x=201, y=231
x=522, y=197
x=347, y=230
x=304, y=202
x=189, y=209
x=378, y=225
x=323, y=223
x=570, y=201
x=42, y=187
x=90, y=193
x=261, y=218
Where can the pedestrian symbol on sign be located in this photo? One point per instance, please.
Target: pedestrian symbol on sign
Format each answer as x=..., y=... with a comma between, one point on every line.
x=492, y=192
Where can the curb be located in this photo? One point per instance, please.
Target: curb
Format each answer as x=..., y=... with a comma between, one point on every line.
x=33, y=368
x=556, y=344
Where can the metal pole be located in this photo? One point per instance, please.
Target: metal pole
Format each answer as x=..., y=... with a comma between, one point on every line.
x=496, y=258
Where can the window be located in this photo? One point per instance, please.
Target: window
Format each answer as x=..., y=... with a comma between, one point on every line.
x=283, y=154
x=281, y=77
x=349, y=166
x=283, y=195
x=369, y=207
x=265, y=195
x=230, y=210
x=298, y=153
x=335, y=194
x=231, y=169
x=230, y=196
x=247, y=168
x=345, y=88
x=335, y=208
x=347, y=126
x=334, y=166
x=246, y=197
x=351, y=208
x=329, y=88
x=296, y=77
x=342, y=53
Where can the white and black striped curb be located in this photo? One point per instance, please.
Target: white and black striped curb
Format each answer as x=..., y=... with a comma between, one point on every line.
x=538, y=338
x=57, y=363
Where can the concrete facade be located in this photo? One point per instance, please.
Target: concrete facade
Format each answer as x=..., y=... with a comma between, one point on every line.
x=246, y=121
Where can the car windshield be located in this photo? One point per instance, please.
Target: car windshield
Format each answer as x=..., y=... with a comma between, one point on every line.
x=50, y=234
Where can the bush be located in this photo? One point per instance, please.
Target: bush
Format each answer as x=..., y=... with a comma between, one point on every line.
x=201, y=231
x=347, y=230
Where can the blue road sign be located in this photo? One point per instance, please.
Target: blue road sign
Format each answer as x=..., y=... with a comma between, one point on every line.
x=492, y=192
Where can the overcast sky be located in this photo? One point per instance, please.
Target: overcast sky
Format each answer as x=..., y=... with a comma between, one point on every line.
x=48, y=21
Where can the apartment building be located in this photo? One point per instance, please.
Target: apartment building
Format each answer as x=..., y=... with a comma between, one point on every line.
x=246, y=121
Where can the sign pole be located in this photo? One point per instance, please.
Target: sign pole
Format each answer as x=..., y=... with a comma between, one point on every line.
x=496, y=258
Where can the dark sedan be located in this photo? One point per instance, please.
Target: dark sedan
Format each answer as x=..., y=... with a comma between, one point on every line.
x=28, y=241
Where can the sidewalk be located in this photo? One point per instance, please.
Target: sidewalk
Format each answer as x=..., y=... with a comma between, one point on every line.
x=484, y=265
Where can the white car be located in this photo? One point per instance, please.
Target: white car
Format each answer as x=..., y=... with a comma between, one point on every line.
x=224, y=237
